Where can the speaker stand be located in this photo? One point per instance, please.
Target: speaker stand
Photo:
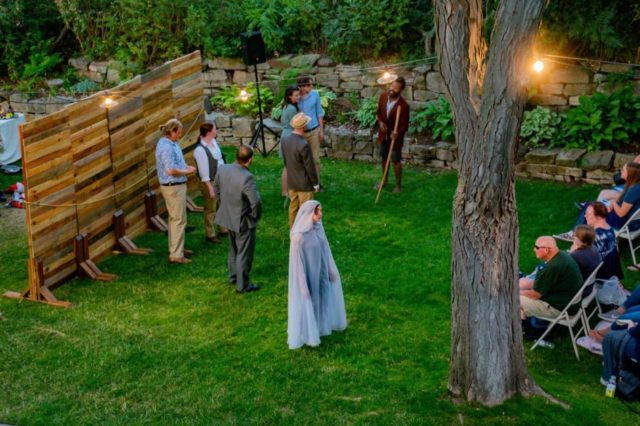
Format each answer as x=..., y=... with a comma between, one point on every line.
x=259, y=133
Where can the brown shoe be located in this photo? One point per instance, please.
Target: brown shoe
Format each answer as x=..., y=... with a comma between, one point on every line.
x=179, y=260
x=188, y=252
x=397, y=189
x=214, y=240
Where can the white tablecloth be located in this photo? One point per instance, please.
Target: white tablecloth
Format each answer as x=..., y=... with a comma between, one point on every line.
x=10, y=139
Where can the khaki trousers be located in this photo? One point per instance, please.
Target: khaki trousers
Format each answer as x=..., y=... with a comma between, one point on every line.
x=537, y=308
x=175, y=197
x=297, y=198
x=313, y=139
x=210, y=208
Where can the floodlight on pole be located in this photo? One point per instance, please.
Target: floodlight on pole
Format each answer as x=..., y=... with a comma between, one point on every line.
x=538, y=66
x=387, y=77
x=108, y=102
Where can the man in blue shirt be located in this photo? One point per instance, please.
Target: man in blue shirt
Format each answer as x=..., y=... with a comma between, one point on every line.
x=172, y=174
x=309, y=103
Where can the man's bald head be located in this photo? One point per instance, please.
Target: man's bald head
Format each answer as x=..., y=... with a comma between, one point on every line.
x=545, y=248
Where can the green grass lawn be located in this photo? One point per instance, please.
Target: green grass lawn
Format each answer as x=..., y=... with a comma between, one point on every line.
x=174, y=344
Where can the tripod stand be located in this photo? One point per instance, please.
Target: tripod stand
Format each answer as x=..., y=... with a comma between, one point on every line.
x=261, y=126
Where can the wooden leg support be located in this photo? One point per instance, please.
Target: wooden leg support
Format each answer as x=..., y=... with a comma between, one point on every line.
x=154, y=221
x=193, y=207
x=124, y=243
x=37, y=292
x=85, y=265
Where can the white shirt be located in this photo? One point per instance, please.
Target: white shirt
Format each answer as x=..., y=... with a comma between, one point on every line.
x=390, y=105
x=203, y=161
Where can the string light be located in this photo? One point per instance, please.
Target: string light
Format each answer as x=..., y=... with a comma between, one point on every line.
x=244, y=95
x=108, y=102
x=387, y=77
x=538, y=66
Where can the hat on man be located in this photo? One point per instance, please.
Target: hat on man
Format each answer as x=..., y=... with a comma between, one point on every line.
x=300, y=120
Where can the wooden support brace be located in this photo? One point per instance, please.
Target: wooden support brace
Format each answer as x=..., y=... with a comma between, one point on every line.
x=85, y=265
x=37, y=292
x=124, y=243
x=154, y=221
x=193, y=207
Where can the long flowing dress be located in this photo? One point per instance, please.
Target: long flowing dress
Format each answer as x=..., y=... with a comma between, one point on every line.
x=316, y=300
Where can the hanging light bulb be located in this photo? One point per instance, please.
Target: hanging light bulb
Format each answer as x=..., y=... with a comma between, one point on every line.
x=538, y=66
x=244, y=95
x=387, y=77
x=108, y=102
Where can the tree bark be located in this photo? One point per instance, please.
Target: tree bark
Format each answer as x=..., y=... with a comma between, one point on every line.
x=487, y=91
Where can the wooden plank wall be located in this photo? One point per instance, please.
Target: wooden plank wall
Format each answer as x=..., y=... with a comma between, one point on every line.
x=49, y=181
x=83, y=163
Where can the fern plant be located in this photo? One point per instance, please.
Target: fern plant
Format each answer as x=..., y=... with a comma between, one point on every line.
x=366, y=114
x=229, y=99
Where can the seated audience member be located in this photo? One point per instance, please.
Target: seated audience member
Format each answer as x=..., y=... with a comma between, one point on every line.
x=583, y=251
x=623, y=208
x=611, y=350
x=554, y=285
x=612, y=194
x=596, y=216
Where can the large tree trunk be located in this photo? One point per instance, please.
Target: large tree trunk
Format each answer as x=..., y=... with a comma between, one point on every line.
x=487, y=89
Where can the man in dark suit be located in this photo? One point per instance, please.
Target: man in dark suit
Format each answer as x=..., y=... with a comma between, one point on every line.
x=302, y=176
x=240, y=210
x=388, y=105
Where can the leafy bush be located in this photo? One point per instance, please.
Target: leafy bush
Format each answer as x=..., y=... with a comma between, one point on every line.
x=540, y=127
x=228, y=99
x=366, y=114
x=603, y=122
x=436, y=117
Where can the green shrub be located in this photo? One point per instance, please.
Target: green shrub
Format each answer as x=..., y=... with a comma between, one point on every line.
x=228, y=100
x=603, y=121
x=436, y=117
x=366, y=114
x=540, y=127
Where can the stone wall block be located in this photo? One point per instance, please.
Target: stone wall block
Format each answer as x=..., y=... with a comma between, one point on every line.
x=99, y=66
x=571, y=75
x=577, y=89
x=602, y=175
x=574, y=100
x=597, y=160
x=541, y=156
x=226, y=64
x=305, y=60
x=242, y=77
x=363, y=147
x=331, y=80
x=570, y=158
x=223, y=121
x=80, y=63
x=243, y=127
x=622, y=159
x=444, y=151
x=351, y=85
x=435, y=83
x=424, y=95
x=419, y=82
x=548, y=100
x=368, y=92
x=551, y=89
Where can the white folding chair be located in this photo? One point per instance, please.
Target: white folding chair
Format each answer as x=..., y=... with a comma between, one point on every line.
x=567, y=319
x=588, y=299
x=627, y=234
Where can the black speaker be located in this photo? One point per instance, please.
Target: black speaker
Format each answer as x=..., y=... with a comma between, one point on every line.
x=252, y=48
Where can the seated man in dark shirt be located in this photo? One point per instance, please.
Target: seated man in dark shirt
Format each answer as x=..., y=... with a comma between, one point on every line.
x=554, y=285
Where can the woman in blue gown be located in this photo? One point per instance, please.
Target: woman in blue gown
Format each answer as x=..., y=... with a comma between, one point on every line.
x=316, y=302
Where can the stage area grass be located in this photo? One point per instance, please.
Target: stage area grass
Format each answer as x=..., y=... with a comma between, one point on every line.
x=174, y=344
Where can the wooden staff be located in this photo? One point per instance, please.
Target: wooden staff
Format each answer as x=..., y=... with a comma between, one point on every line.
x=386, y=166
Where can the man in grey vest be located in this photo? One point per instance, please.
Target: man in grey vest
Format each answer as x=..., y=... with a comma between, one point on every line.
x=208, y=157
x=240, y=211
x=302, y=176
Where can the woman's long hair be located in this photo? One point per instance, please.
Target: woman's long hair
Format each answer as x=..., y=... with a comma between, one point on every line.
x=287, y=97
x=633, y=177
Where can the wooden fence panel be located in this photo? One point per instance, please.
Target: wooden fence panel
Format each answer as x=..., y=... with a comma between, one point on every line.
x=49, y=181
x=157, y=108
x=188, y=103
x=126, y=126
x=93, y=173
